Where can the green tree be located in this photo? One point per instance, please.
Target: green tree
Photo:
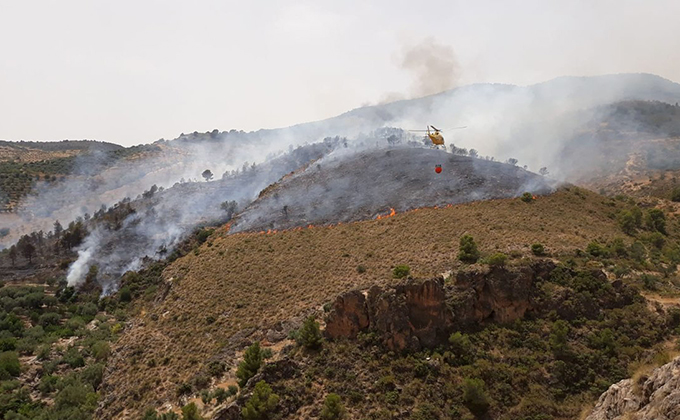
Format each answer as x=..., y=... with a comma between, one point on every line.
x=207, y=175
x=558, y=338
x=675, y=194
x=474, y=396
x=229, y=207
x=262, y=403
x=656, y=220
x=124, y=294
x=252, y=361
x=309, y=335
x=9, y=365
x=468, y=250
x=190, y=412
x=401, y=271
x=13, y=254
x=333, y=408
x=538, y=249
x=100, y=350
x=28, y=251
x=627, y=222
x=497, y=260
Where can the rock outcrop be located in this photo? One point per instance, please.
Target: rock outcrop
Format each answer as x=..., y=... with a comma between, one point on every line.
x=656, y=397
x=409, y=315
x=498, y=295
x=415, y=314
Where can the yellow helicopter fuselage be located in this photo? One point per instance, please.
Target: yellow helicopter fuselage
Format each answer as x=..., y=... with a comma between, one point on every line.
x=437, y=138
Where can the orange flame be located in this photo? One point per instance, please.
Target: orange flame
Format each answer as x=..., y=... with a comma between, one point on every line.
x=533, y=197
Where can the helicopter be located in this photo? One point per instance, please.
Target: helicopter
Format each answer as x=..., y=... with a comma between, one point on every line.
x=435, y=135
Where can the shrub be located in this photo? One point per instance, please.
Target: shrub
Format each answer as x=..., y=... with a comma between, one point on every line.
x=649, y=281
x=49, y=318
x=497, y=260
x=675, y=194
x=627, y=222
x=252, y=361
x=468, y=250
x=9, y=364
x=401, y=271
x=215, y=367
x=538, y=249
x=73, y=395
x=460, y=344
x=474, y=396
x=426, y=411
x=332, y=408
x=527, y=197
x=558, y=338
x=73, y=358
x=656, y=239
x=190, y=412
x=638, y=251
x=183, y=389
x=596, y=250
x=8, y=344
x=261, y=404
x=361, y=269
x=100, y=350
x=48, y=384
x=618, y=248
x=220, y=395
x=309, y=335
x=124, y=294
x=93, y=374
x=656, y=220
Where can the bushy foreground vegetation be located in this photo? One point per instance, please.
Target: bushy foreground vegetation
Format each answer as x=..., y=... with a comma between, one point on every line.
x=54, y=345
x=584, y=335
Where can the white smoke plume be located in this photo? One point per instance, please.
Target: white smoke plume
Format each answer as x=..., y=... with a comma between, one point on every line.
x=533, y=124
x=433, y=66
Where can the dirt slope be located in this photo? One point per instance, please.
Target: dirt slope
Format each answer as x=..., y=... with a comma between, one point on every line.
x=248, y=282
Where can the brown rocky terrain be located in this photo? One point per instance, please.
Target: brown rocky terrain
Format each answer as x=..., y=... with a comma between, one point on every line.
x=650, y=397
x=416, y=314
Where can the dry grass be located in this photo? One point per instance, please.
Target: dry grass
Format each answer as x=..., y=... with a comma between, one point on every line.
x=256, y=280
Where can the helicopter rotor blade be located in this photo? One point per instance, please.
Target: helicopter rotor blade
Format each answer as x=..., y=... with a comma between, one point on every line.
x=457, y=128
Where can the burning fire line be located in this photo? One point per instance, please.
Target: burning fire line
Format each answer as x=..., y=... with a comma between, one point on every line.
x=330, y=226
x=392, y=213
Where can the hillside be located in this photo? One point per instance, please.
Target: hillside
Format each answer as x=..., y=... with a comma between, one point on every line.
x=242, y=284
x=362, y=186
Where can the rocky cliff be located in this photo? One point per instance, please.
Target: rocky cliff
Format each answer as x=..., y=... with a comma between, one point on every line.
x=653, y=397
x=415, y=314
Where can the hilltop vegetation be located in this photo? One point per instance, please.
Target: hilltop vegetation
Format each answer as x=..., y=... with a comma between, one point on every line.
x=24, y=164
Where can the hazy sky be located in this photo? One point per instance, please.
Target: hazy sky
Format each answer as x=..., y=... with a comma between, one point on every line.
x=131, y=72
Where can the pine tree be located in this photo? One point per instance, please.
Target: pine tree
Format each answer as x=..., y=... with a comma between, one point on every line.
x=252, y=361
x=262, y=404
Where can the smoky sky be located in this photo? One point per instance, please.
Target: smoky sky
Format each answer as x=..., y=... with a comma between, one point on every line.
x=131, y=72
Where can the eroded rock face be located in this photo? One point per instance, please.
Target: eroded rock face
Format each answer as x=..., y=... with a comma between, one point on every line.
x=410, y=315
x=497, y=295
x=415, y=314
x=349, y=315
x=655, y=398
